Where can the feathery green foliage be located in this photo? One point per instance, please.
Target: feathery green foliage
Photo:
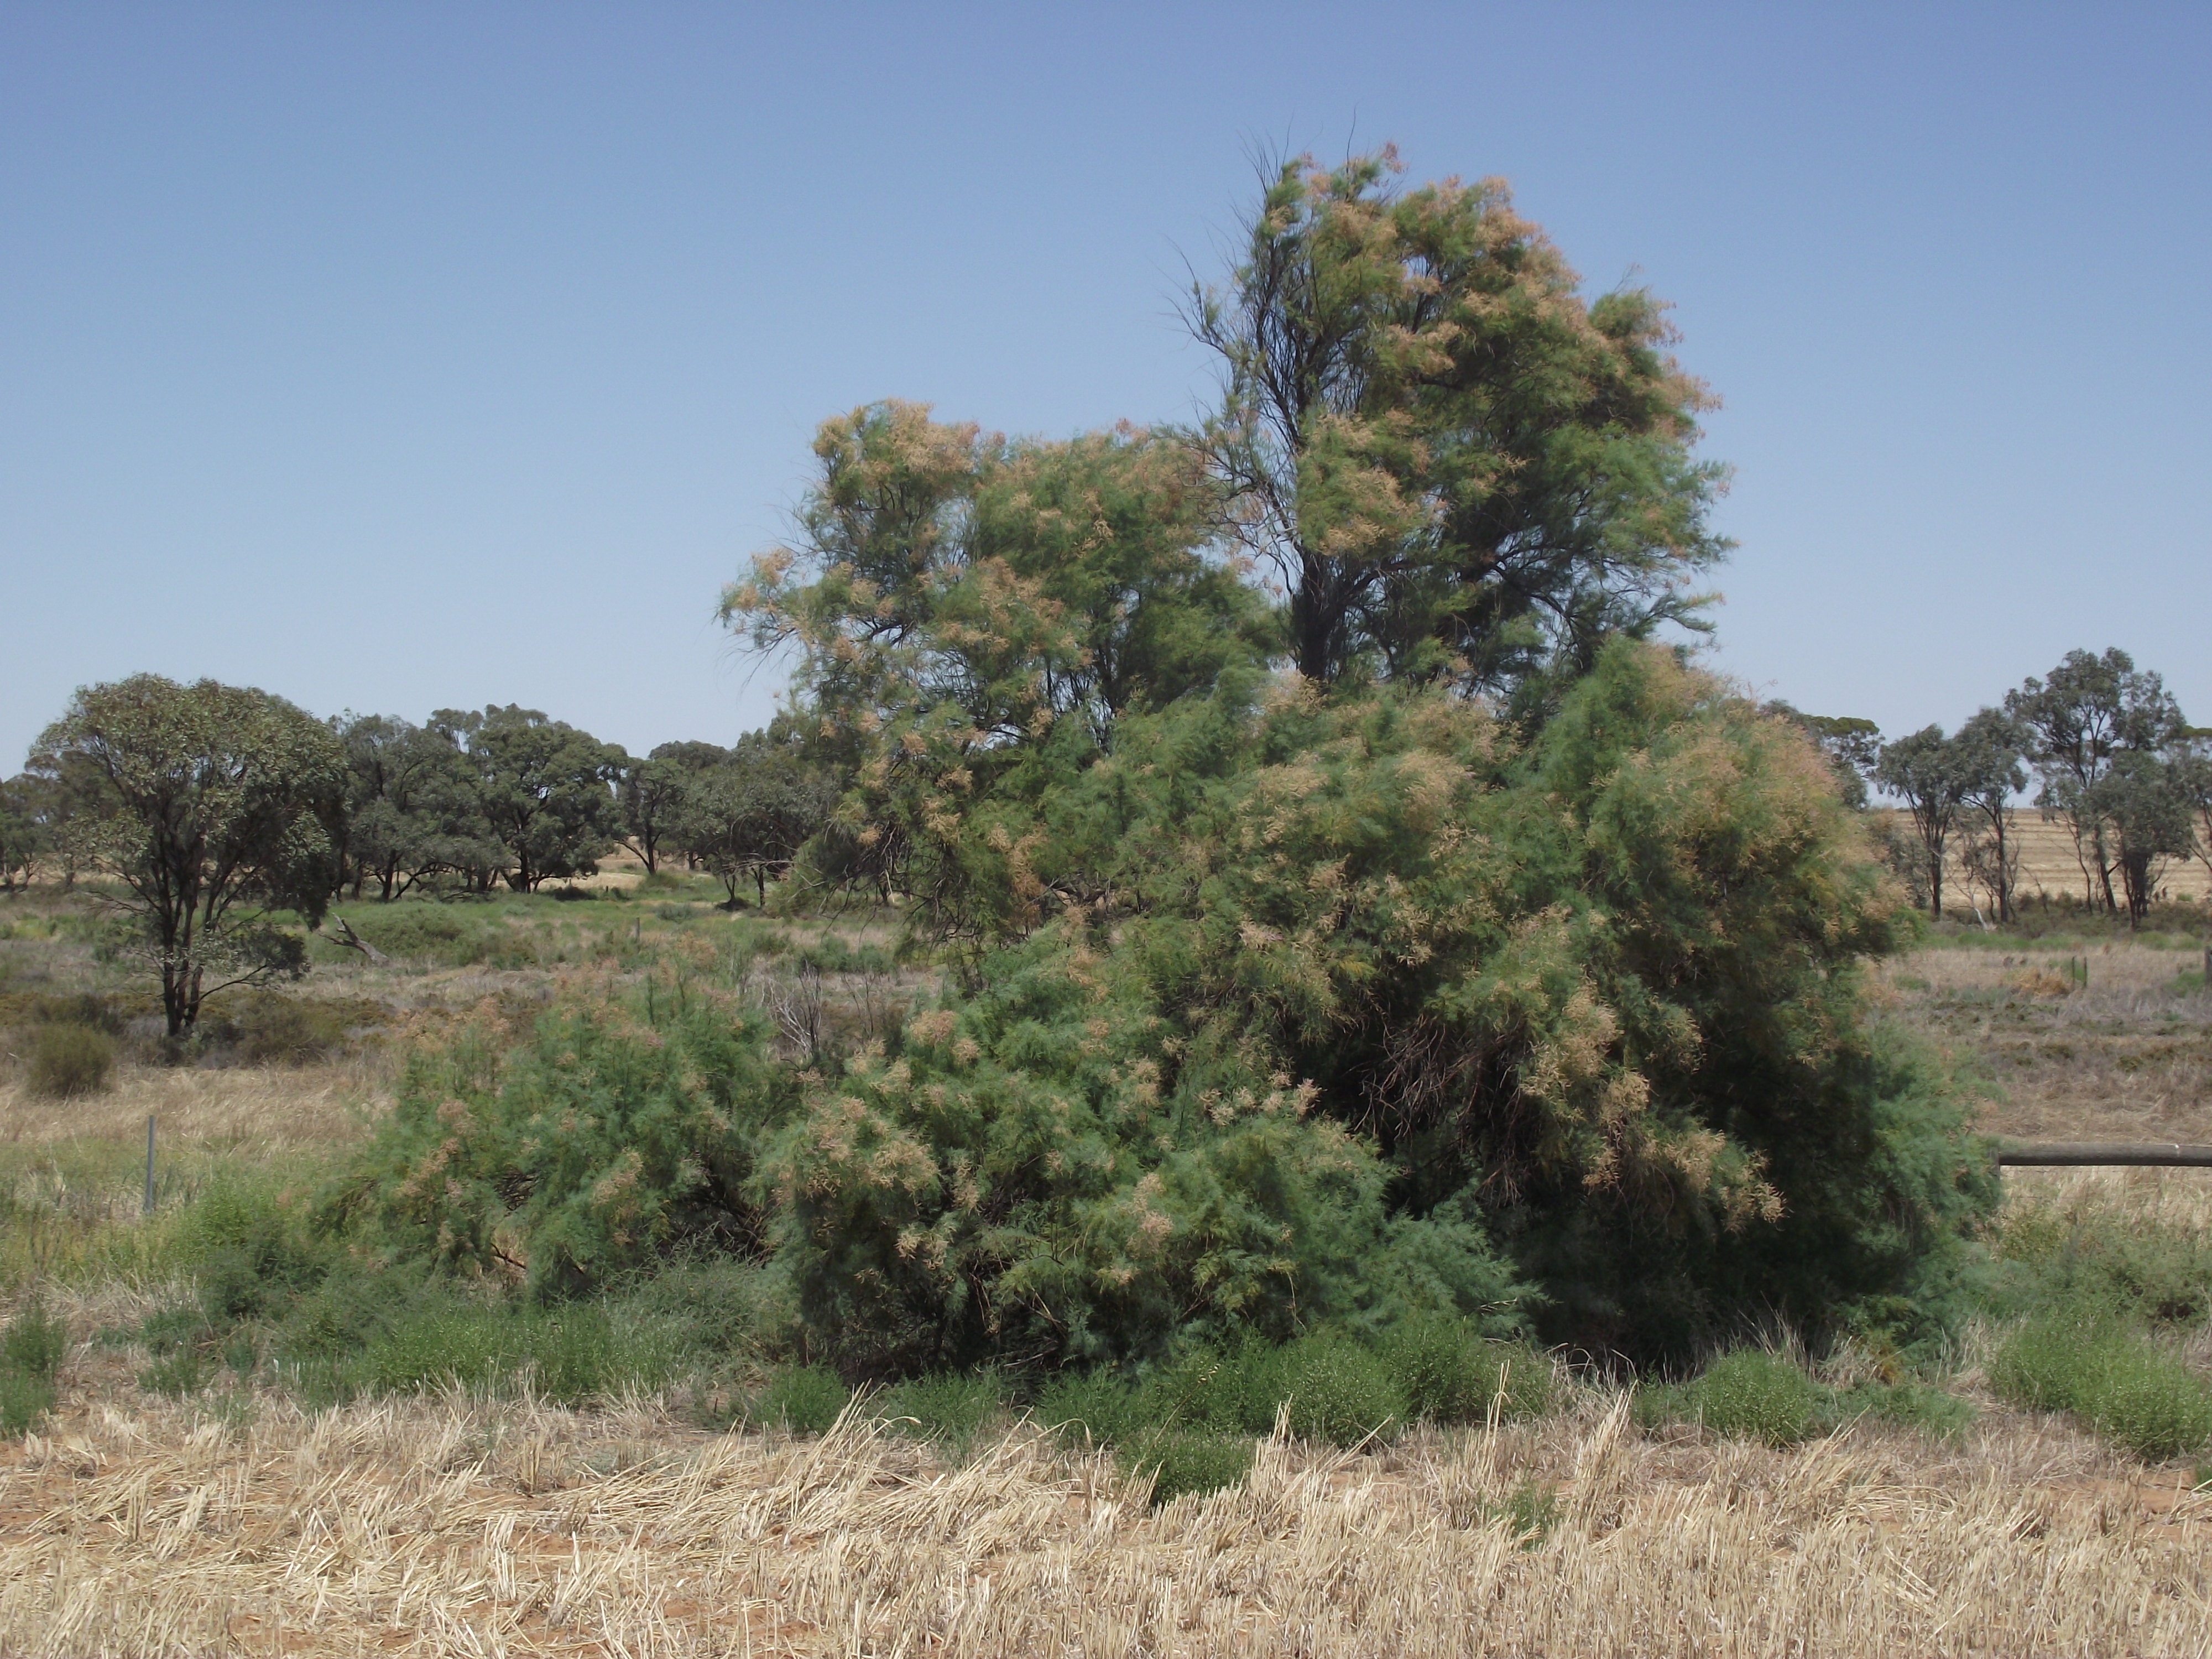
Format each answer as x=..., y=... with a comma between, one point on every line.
x=603, y=1144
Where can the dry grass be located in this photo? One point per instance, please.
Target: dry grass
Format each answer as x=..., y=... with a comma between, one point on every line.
x=452, y=1526
x=2123, y=1060
x=245, y=1108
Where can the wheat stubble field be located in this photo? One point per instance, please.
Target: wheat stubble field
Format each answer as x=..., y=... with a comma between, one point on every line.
x=237, y=1519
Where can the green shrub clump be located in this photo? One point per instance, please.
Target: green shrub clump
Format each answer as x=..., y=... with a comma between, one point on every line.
x=1448, y=1373
x=2112, y=1376
x=1182, y=1463
x=604, y=1145
x=1751, y=1395
x=1747, y=1394
x=71, y=1059
x=804, y=1399
x=948, y=1407
x=31, y=1350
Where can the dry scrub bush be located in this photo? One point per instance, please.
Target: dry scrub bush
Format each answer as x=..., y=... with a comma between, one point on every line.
x=67, y=1060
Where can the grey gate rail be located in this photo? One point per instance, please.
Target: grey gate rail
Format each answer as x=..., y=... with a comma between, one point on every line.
x=2146, y=1154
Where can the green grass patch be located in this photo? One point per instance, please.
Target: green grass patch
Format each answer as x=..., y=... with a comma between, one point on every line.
x=31, y=1350
x=2114, y=1378
x=1751, y=1394
x=1181, y=1463
x=802, y=1399
x=948, y=1407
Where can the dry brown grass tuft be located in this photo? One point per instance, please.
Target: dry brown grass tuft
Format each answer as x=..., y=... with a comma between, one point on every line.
x=245, y=1108
x=453, y=1525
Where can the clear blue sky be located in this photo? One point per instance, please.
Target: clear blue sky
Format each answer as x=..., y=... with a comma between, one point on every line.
x=401, y=357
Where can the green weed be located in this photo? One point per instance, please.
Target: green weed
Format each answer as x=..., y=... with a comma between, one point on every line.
x=948, y=1407
x=31, y=1350
x=2114, y=1378
x=804, y=1399
x=181, y=1372
x=1447, y=1373
x=1184, y=1462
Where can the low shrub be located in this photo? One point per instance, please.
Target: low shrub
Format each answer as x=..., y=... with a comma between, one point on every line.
x=69, y=1059
x=1908, y=1405
x=35, y=1342
x=267, y=1027
x=1181, y=1463
x=179, y=1373
x=1748, y=1395
x=31, y=1350
x=1448, y=1374
x=253, y=1255
x=23, y=1400
x=2123, y=1267
x=1339, y=1393
x=1096, y=1406
x=569, y=1355
x=718, y=1305
x=602, y=1148
x=1237, y=1391
x=948, y=1407
x=427, y=932
x=2113, y=1377
x=804, y=1399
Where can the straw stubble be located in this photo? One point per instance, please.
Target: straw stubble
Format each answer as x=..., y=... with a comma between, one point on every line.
x=458, y=1526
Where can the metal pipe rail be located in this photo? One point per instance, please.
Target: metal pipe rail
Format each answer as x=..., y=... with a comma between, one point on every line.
x=2118, y=1154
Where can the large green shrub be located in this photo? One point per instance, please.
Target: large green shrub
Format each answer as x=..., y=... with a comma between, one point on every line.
x=1290, y=1011
x=1602, y=985
x=1046, y=1168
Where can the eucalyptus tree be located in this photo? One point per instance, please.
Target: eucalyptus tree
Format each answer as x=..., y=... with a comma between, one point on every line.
x=2144, y=800
x=1923, y=771
x=25, y=836
x=212, y=807
x=544, y=792
x=1989, y=750
x=746, y=815
x=405, y=784
x=2086, y=713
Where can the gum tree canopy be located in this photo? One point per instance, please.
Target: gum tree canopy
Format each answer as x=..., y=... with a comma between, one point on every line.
x=212, y=806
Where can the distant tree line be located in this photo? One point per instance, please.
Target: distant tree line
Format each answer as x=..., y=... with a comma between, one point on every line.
x=2113, y=760
x=213, y=806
